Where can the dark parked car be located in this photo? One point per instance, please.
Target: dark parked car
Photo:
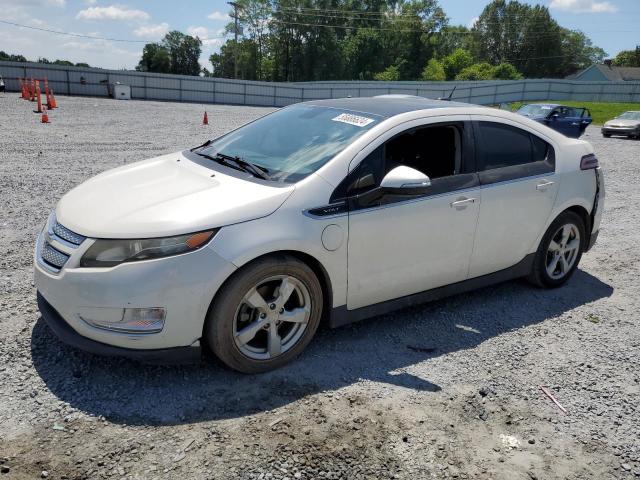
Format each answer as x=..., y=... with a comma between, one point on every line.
x=570, y=121
x=627, y=125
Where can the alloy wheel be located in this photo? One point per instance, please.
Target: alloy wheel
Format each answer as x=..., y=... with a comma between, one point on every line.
x=272, y=317
x=563, y=251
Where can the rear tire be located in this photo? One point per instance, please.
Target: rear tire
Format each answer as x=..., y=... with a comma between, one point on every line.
x=265, y=314
x=559, y=252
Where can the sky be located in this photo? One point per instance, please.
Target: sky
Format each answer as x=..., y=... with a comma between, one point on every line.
x=612, y=24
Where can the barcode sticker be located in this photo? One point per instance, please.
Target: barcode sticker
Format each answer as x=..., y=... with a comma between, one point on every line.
x=356, y=120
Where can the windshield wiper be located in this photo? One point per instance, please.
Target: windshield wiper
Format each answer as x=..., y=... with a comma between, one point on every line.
x=205, y=144
x=238, y=164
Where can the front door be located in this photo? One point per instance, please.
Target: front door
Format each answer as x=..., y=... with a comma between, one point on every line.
x=404, y=245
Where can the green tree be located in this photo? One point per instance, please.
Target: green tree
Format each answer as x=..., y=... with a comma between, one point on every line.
x=434, y=71
x=362, y=54
x=477, y=71
x=526, y=36
x=254, y=16
x=177, y=53
x=505, y=71
x=184, y=51
x=451, y=38
x=155, y=58
x=456, y=62
x=223, y=62
x=628, y=58
x=11, y=58
x=389, y=74
x=579, y=52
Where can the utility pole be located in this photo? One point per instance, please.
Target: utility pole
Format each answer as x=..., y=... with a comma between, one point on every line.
x=235, y=34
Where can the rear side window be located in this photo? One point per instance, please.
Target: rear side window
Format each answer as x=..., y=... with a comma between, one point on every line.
x=505, y=153
x=503, y=146
x=540, y=149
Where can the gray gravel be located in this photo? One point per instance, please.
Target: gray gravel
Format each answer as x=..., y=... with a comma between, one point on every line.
x=444, y=390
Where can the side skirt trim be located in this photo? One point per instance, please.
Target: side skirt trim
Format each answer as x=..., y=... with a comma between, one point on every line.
x=342, y=316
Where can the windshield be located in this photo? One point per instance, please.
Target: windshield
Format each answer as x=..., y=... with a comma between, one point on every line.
x=293, y=142
x=630, y=116
x=535, y=110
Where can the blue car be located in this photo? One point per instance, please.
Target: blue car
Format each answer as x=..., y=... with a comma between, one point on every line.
x=570, y=121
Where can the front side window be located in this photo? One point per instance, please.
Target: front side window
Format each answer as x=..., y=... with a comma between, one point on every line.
x=439, y=151
x=293, y=142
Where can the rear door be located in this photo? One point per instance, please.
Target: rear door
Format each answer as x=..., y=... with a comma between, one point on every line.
x=516, y=171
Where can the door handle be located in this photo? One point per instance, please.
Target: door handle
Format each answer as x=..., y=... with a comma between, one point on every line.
x=462, y=203
x=543, y=186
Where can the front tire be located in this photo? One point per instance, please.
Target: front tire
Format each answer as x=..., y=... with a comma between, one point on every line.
x=265, y=314
x=559, y=252
x=606, y=135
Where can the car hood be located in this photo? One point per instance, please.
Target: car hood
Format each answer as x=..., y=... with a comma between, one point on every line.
x=622, y=122
x=167, y=195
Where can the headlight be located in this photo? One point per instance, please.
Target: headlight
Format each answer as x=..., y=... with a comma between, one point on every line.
x=108, y=253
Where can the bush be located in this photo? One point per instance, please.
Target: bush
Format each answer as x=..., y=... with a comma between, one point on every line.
x=456, y=62
x=477, y=71
x=434, y=71
x=506, y=71
x=389, y=74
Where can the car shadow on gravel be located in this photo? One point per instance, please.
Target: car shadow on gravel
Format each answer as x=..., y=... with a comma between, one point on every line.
x=377, y=350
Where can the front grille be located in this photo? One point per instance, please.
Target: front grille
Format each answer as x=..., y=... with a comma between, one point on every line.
x=53, y=257
x=66, y=234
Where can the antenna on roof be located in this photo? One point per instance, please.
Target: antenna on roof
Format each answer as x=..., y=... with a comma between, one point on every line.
x=448, y=99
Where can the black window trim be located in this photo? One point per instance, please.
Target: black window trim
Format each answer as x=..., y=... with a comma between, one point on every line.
x=513, y=172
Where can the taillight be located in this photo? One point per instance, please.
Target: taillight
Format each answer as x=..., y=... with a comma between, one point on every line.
x=588, y=162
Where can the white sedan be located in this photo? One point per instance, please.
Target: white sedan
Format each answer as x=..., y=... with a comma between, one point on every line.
x=332, y=210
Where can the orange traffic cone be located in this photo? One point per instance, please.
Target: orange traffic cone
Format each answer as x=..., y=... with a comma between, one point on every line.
x=54, y=104
x=205, y=119
x=45, y=115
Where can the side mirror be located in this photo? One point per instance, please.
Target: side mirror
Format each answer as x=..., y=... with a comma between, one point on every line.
x=554, y=116
x=405, y=180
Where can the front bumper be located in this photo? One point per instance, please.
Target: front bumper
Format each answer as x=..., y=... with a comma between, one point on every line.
x=183, y=285
x=57, y=324
x=620, y=131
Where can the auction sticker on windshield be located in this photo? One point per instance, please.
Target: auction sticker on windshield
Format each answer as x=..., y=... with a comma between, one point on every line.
x=356, y=120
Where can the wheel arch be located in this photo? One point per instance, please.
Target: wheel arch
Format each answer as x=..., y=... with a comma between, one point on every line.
x=316, y=266
x=585, y=216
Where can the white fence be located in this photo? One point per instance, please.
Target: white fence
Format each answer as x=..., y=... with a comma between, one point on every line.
x=155, y=86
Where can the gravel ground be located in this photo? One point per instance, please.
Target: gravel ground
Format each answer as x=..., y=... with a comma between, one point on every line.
x=444, y=390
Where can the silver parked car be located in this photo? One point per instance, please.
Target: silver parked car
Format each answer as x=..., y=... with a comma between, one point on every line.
x=627, y=125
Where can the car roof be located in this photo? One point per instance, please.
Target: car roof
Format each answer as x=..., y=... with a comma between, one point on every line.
x=386, y=105
x=544, y=104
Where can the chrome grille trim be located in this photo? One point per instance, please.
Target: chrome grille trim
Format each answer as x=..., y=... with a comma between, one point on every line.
x=53, y=257
x=64, y=233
